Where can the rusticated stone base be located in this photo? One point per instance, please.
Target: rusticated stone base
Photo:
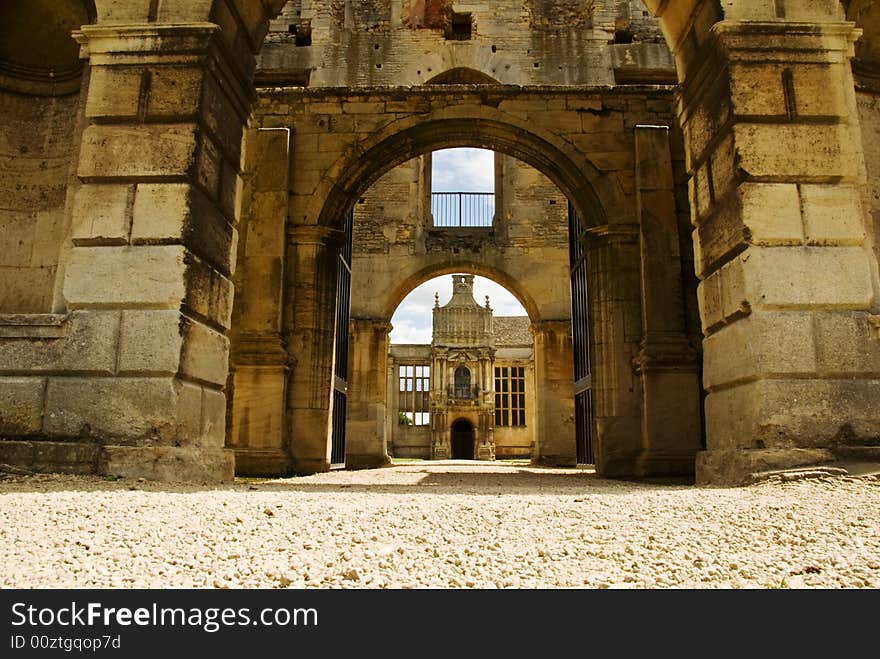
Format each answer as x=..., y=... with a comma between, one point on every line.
x=555, y=460
x=161, y=463
x=306, y=466
x=649, y=464
x=52, y=457
x=168, y=463
x=366, y=461
x=263, y=462
x=737, y=466
x=665, y=463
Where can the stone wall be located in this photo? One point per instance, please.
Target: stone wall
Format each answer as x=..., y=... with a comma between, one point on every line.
x=37, y=149
x=868, y=100
x=392, y=219
x=409, y=42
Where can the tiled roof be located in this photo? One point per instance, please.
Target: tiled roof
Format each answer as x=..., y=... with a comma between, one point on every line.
x=512, y=331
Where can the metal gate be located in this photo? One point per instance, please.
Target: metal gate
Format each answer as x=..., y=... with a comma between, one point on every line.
x=340, y=372
x=580, y=315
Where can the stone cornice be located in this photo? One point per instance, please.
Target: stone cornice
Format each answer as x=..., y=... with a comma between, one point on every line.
x=143, y=40
x=313, y=234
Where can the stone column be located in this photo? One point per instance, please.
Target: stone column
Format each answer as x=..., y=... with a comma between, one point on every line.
x=259, y=364
x=789, y=280
x=613, y=258
x=148, y=273
x=440, y=444
x=391, y=402
x=309, y=330
x=554, y=374
x=667, y=363
x=366, y=443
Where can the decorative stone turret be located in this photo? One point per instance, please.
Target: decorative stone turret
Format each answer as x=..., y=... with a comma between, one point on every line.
x=461, y=321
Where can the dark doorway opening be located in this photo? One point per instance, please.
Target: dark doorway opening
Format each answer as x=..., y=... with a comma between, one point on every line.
x=462, y=440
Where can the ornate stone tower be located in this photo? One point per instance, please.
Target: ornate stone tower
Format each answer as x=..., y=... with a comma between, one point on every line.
x=462, y=385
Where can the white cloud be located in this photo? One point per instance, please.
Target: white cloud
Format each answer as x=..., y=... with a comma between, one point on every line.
x=412, y=320
x=463, y=170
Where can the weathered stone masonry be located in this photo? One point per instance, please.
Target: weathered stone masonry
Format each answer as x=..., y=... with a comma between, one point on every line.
x=120, y=225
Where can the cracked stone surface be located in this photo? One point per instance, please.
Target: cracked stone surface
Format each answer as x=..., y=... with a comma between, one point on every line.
x=441, y=524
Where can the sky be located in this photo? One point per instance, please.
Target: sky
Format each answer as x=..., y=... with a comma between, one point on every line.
x=454, y=170
x=463, y=170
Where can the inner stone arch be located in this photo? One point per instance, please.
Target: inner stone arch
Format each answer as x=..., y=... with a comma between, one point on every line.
x=475, y=362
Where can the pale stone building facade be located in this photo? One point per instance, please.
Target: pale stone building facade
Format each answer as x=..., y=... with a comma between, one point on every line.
x=180, y=191
x=470, y=393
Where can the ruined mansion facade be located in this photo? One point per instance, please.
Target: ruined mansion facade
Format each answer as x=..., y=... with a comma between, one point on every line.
x=209, y=211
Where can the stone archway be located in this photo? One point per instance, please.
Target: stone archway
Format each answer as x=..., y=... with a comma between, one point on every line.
x=152, y=259
x=335, y=166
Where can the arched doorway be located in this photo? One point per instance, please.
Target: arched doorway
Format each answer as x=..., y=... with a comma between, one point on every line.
x=622, y=444
x=462, y=440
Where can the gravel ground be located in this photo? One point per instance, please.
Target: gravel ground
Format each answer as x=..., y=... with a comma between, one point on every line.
x=447, y=525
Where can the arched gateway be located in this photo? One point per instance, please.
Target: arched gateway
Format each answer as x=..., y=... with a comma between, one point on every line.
x=119, y=246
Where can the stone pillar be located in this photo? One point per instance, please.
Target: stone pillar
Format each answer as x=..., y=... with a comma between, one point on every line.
x=259, y=368
x=391, y=403
x=789, y=281
x=667, y=362
x=554, y=375
x=440, y=436
x=366, y=442
x=152, y=251
x=615, y=301
x=309, y=330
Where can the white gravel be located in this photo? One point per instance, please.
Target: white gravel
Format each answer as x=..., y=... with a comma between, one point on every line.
x=447, y=524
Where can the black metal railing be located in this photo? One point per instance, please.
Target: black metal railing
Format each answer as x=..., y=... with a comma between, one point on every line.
x=463, y=209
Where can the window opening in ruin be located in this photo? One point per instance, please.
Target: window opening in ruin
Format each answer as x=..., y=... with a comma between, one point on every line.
x=302, y=33
x=463, y=188
x=412, y=401
x=510, y=396
x=624, y=36
x=461, y=27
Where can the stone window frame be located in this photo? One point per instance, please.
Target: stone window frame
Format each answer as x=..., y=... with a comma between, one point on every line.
x=414, y=385
x=510, y=396
x=462, y=385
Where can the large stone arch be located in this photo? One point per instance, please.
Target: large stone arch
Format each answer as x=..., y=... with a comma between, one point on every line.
x=370, y=398
x=775, y=150
x=581, y=144
x=479, y=126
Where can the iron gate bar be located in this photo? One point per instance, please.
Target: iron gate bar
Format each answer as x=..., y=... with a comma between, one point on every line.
x=340, y=374
x=580, y=315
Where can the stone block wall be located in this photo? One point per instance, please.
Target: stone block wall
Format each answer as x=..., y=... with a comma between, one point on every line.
x=38, y=146
x=409, y=42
